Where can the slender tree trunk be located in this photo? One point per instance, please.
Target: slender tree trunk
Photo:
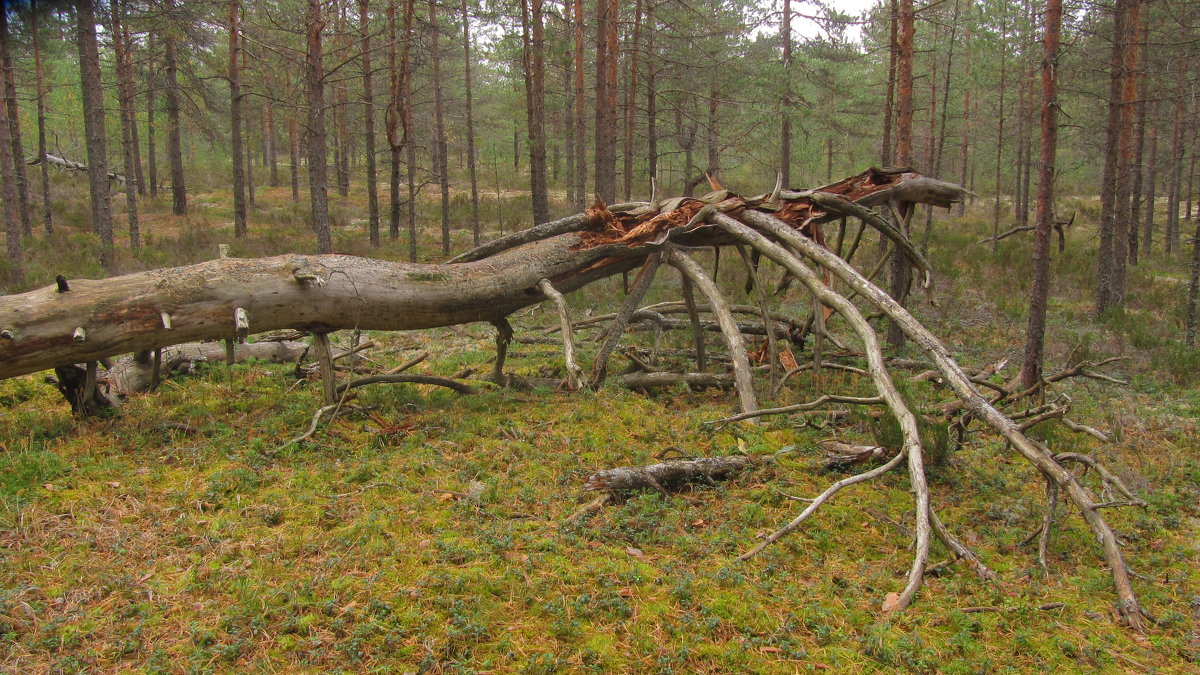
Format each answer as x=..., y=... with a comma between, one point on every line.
x=631, y=100
x=1140, y=35
x=1151, y=185
x=364, y=28
x=14, y=123
x=294, y=156
x=235, y=122
x=1122, y=223
x=940, y=132
x=651, y=96
x=714, y=133
x=900, y=272
x=93, y=122
x=1191, y=182
x=1175, y=179
x=569, y=105
x=1000, y=123
x=269, y=141
x=1031, y=372
x=886, y=156
x=606, y=99
x=39, y=73
x=342, y=141
x=410, y=160
x=471, y=154
x=391, y=122
x=248, y=147
x=580, y=117
x=965, y=130
x=125, y=109
x=1110, y=213
x=439, y=148
x=533, y=43
x=785, y=113
x=8, y=175
x=174, y=147
x=131, y=105
x=1193, y=290
x=318, y=170
x=151, y=105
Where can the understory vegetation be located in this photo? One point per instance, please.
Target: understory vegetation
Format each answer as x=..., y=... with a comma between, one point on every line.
x=425, y=531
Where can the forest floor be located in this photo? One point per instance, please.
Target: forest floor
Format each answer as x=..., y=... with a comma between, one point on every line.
x=428, y=534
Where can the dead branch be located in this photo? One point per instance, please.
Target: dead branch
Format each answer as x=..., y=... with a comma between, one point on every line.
x=407, y=379
x=671, y=475
x=658, y=379
x=574, y=372
x=1037, y=455
x=744, y=382
x=799, y=407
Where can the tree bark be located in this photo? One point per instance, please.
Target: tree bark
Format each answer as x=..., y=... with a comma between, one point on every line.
x=125, y=97
x=294, y=156
x=364, y=29
x=439, y=148
x=1112, y=183
x=785, y=113
x=1123, y=223
x=885, y=153
x=631, y=100
x=235, y=122
x=151, y=104
x=39, y=74
x=14, y=122
x=1151, y=184
x=410, y=160
x=131, y=107
x=1031, y=371
x=606, y=100
x=1139, y=35
x=471, y=154
x=93, y=121
x=1000, y=123
x=651, y=97
x=533, y=39
x=269, y=137
x=318, y=169
x=8, y=176
x=174, y=148
x=900, y=274
x=580, y=149
x=1175, y=179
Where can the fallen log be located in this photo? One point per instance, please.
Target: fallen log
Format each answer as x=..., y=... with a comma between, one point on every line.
x=134, y=373
x=670, y=475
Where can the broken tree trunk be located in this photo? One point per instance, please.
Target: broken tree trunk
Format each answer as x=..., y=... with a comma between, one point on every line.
x=222, y=299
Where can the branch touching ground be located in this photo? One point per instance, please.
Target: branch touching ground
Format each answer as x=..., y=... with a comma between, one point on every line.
x=729, y=329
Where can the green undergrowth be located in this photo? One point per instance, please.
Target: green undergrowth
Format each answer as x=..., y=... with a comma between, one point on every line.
x=423, y=531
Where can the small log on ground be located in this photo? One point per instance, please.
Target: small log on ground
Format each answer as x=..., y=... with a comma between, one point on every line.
x=131, y=375
x=671, y=475
x=642, y=380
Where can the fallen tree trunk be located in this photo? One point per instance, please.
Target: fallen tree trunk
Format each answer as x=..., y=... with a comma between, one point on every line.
x=86, y=320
